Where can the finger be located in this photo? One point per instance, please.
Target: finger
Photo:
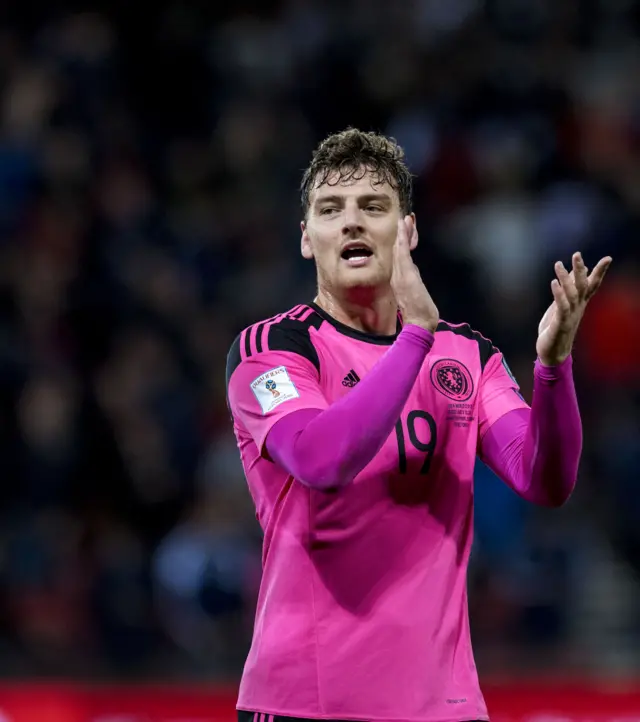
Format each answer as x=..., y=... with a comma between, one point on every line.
x=579, y=274
x=401, y=235
x=560, y=297
x=402, y=255
x=400, y=251
x=567, y=283
x=597, y=275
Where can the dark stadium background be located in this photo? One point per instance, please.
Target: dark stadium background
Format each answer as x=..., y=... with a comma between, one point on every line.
x=149, y=163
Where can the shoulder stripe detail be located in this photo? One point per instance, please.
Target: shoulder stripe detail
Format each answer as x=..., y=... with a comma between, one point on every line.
x=311, y=318
x=292, y=315
x=308, y=311
x=302, y=313
x=486, y=349
x=251, y=338
x=234, y=358
x=296, y=311
x=249, y=347
x=263, y=338
x=256, y=337
x=245, y=348
x=264, y=341
x=292, y=335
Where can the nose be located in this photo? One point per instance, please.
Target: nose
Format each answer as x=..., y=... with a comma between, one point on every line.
x=352, y=224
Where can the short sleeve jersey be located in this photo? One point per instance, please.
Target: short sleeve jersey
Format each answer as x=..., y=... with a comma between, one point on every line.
x=362, y=609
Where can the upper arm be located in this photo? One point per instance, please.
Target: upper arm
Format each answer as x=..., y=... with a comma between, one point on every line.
x=264, y=386
x=499, y=393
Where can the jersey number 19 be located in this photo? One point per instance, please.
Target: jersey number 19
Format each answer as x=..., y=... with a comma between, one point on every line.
x=426, y=447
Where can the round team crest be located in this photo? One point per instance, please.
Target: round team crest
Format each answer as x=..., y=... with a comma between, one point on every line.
x=452, y=379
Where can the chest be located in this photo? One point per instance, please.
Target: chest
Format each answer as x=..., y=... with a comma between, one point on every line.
x=445, y=392
x=438, y=424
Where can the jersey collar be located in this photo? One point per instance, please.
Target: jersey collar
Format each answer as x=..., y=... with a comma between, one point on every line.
x=342, y=328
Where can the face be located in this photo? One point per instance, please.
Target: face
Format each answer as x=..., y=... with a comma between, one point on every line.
x=350, y=232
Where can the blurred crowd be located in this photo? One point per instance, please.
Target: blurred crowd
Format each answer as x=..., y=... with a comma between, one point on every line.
x=149, y=166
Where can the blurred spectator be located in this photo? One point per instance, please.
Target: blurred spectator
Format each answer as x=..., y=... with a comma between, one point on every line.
x=148, y=211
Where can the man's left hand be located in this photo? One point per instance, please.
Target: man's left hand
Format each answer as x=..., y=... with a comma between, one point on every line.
x=571, y=293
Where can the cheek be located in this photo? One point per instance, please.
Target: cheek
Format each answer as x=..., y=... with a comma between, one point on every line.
x=323, y=245
x=385, y=232
x=386, y=246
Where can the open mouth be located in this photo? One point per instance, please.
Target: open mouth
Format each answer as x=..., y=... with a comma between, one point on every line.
x=356, y=253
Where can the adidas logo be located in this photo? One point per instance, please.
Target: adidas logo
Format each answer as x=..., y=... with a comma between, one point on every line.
x=351, y=379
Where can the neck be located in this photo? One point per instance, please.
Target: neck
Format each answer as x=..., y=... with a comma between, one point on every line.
x=364, y=309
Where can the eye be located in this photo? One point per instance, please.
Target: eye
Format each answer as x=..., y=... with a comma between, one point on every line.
x=329, y=210
x=374, y=209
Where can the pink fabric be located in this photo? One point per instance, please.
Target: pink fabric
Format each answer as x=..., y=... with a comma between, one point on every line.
x=362, y=612
x=537, y=451
x=356, y=426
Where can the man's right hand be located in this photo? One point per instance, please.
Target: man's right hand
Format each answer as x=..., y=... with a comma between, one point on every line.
x=413, y=299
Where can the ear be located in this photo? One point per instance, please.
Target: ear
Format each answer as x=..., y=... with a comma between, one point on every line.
x=305, y=242
x=413, y=242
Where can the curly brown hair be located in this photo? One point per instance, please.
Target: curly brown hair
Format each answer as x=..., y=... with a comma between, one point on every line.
x=352, y=153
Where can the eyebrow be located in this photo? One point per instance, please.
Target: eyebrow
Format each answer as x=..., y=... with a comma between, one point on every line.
x=384, y=197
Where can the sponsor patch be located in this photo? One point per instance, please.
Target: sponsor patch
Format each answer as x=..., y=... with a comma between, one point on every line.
x=273, y=388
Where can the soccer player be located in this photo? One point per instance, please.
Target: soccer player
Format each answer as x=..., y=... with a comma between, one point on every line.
x=359, y=417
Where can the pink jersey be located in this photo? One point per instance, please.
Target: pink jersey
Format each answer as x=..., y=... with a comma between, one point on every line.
x=362, y=611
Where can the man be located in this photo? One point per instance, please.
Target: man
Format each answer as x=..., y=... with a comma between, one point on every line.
x=358, y=419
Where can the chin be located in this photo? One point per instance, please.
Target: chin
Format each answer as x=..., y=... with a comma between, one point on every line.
x=358, y=277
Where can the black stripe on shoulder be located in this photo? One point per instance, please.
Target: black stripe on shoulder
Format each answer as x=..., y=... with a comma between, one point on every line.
x=293, y=336
x=233, y=358
x=485, y=347
x=259, y=331
x=285, y=334
x=313, y=320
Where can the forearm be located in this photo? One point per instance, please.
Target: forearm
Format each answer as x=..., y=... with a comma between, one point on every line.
x=328, y=448
x=537, y=451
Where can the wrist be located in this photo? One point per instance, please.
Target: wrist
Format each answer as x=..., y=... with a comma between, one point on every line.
x=554, y=361
x=419, y=333
x=555, y=372
x=429, y=326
